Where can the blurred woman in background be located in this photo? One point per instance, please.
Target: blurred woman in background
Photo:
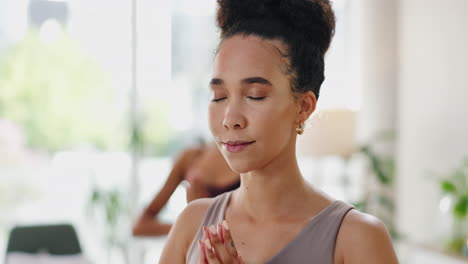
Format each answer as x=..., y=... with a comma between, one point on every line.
x=205, y=173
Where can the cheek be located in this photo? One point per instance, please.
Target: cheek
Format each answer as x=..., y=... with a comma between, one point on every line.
x=214, y=118
x=275, y=120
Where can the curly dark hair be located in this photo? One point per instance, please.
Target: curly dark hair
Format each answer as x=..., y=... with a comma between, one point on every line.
x=306, y=26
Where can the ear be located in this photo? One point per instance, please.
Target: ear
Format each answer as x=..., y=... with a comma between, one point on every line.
x=306, y=104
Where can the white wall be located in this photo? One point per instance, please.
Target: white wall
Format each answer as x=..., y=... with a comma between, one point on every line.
x=433, y=111
x=374, y=29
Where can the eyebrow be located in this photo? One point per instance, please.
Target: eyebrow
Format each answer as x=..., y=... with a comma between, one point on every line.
x=216, y=81
x=249, y=80
x=259, y=80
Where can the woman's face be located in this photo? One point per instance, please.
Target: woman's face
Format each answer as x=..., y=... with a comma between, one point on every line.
x=252, y=115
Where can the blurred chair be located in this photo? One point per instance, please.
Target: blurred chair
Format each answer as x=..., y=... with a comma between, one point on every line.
x=60, y=239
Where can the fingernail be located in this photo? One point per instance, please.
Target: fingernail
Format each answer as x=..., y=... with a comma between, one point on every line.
x=225, y=225
x=213, y=230
x=208, y=244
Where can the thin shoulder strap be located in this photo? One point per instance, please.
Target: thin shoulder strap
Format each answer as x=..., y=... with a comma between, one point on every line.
x=214, y=215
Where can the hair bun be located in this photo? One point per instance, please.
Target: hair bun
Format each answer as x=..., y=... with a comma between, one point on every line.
x=305, y=17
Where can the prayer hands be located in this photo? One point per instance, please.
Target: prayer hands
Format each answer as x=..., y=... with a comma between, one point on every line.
x=217, y=246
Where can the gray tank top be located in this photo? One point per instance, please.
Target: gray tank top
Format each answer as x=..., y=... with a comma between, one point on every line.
x=314, y=244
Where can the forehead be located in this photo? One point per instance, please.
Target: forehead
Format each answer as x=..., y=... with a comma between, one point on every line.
x=249, y=55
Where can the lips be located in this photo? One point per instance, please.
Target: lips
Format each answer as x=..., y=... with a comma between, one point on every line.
x=237, y=146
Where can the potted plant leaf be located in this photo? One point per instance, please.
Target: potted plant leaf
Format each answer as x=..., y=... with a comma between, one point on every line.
x=454, y=187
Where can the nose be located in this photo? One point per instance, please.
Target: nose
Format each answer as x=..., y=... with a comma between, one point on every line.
x=234, y=117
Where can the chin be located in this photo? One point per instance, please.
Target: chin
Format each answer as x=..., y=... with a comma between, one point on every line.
x=242, y=166
x=239, y=166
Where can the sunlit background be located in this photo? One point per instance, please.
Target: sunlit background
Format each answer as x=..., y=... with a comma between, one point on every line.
x=97, y=98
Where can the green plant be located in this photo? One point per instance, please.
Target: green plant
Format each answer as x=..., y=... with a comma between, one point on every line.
x=383, y=169
x=63, y=99
x=455, y=184
x=60, y=96
x=111, y=205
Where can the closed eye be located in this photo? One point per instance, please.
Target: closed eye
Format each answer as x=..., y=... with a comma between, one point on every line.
x=256, y=98
x=218, y=99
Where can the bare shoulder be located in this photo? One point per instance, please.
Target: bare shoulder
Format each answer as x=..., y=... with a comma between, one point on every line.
x=356, y=221
x=192, y=151
x=196, y=209
x=363, y=238
x=184, y=230
x=188, y=154
x=189, y=220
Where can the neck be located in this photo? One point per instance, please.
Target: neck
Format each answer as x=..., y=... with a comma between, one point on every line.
x=272, y=191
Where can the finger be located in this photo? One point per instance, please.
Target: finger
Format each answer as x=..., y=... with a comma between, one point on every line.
x=209, y=250
x=240, y=260
x=228, y=242
x=214, y=237
x=220, y=232
x=210, y=255
x=206, y=233
x=202, y=257
x=219, y=249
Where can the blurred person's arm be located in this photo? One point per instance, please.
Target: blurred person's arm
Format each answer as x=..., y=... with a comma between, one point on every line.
x=148, y=224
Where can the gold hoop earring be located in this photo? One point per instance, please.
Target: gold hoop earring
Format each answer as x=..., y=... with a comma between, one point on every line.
x=300, y=128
